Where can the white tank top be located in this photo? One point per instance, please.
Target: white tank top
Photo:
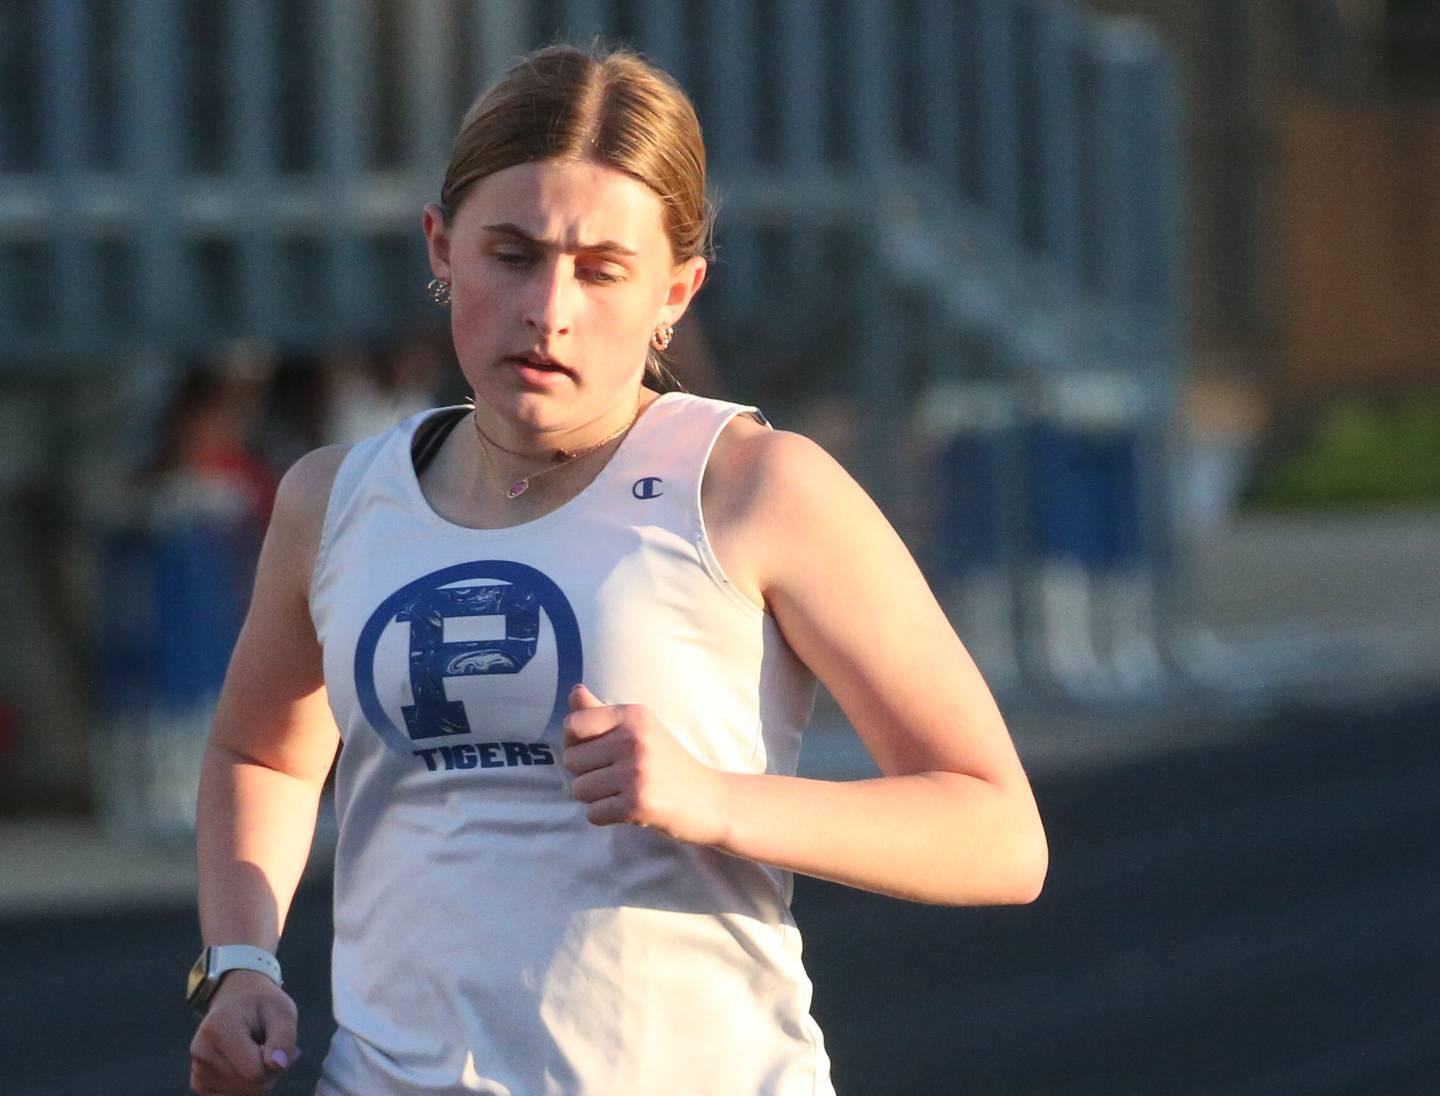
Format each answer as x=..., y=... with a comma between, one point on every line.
x=488, y=937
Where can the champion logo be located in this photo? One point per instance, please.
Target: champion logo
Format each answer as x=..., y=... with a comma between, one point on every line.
x=647, y=487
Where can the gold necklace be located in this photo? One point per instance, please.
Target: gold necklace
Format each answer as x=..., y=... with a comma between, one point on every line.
x=561, y=457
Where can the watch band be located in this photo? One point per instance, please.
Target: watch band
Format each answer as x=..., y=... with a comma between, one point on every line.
x=228, y=957
x=217, y=961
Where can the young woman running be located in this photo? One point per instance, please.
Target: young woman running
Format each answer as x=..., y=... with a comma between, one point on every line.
x=569, y=641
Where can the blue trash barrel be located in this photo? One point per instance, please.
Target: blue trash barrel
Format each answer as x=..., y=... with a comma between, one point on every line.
x=1088, y=588
x=971, y=429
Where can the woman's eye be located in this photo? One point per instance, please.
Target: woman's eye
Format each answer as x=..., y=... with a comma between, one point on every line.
x=513, y=258
x=602, y=276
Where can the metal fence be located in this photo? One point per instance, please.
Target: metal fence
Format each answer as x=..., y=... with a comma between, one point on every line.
x=977, y=201
x=175, y=169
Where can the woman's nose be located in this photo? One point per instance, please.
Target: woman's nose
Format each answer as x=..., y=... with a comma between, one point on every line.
x=548, y=311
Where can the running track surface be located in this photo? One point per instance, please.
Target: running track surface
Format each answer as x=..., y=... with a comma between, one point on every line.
x=1258, y=918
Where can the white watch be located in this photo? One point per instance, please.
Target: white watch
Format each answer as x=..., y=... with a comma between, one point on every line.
x=216, y=962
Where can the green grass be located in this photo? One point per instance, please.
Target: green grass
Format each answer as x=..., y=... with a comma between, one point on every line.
x=1358, y=452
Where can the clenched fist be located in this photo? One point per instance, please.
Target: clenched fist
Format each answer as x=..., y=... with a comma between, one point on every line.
x=627, y=767
x=246, y=1041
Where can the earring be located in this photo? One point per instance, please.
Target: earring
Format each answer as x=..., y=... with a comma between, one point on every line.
x=439, y=290
x=661, y=339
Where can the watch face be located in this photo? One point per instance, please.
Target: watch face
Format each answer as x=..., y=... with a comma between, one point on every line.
x=196, y=981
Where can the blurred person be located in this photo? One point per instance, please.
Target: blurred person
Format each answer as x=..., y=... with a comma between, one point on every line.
x=205, y=457
x=571, y=705
x=417, y=364
x=295, y=418
x=177, y=567
x=206, y=497
x=371, y=390
x=357, y=405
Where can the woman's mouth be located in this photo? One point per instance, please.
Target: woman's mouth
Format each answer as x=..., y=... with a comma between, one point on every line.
x=538, y=370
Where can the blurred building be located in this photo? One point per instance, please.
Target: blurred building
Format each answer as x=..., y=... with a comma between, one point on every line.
x=1312, y=134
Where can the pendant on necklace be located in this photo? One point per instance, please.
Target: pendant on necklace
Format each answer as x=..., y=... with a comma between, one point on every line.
x=518, y=488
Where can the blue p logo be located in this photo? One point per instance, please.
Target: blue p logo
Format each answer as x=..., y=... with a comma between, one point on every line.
x=426, y=604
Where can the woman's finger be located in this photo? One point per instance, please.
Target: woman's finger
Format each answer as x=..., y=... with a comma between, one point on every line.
x=599, y=784
x=586, y=756
x=581, y=697
x=242, y=1054
x=590, y=723
x=211, y=1072
x=610, y=811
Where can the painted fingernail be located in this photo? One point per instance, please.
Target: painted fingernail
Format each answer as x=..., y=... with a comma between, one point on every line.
x=279, y=1058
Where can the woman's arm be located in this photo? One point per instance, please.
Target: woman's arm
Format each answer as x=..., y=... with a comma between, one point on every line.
x=953, y=819
x=270, y=749
x=273, y=738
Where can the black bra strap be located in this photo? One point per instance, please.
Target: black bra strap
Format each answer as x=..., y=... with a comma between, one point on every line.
x=431, y=433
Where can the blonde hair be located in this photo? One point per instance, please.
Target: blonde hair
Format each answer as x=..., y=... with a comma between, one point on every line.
x=610, y=107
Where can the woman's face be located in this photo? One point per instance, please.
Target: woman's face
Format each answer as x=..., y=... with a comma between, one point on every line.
x=559, y=272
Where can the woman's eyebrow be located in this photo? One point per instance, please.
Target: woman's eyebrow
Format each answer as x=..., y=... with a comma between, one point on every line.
x=518, y=233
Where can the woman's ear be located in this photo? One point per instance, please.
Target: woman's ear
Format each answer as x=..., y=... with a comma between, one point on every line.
x=686, y=281
x=437, y=240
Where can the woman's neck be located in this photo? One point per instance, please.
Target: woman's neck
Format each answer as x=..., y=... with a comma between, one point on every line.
x=507, y=454
x=530, y=443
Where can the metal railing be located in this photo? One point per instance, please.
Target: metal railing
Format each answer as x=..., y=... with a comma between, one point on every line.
x=173, y=169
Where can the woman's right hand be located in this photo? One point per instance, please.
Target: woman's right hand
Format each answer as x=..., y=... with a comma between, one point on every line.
x=246, y=1041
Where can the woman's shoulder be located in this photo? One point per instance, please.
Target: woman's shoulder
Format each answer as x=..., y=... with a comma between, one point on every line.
x=297, y=523
x=304, y=495
x=749, y=452
x=305, y=487
x=774, y=501
x=757, y=474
